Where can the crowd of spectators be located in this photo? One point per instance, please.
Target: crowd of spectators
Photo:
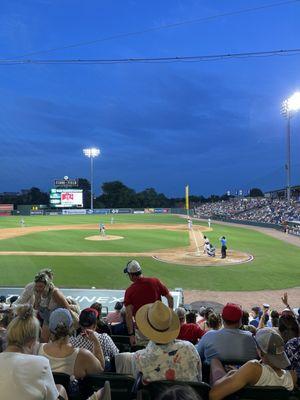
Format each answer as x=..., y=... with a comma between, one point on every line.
x=178, y=345
x=265, y=210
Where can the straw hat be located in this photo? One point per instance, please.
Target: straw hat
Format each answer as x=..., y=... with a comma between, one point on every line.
x=158, y=322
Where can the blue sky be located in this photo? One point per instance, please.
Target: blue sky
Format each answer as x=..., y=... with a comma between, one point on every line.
x=214, y=125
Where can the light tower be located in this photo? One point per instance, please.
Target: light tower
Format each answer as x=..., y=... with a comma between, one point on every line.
x=92, y=153
x=289, y=107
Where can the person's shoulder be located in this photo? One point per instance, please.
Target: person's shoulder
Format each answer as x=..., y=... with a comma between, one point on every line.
x=184, y=343
x=253, y=369
x=38, y=363
x=243, y=332
x=84, y=353
x=103, y=336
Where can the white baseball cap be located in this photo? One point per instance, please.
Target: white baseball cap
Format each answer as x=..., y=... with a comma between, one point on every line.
x=132, y=267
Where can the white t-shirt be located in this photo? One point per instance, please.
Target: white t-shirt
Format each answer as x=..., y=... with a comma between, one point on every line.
x=26, y=377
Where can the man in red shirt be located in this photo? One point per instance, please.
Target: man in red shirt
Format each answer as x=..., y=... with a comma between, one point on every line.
x=188, y=331
x=142, y=291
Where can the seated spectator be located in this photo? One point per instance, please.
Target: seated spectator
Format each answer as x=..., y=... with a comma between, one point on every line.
x=120, y=328
x=114, y=317
x=292, y=349
x=245, y=323
x=188, y=331
x=3, y=305
x=256, y=313
x=230, y=342
x=214, y=322
x=206, y=312
x=4, y=322
x=270, y=371
x=63, y=356
x=102, y=326
x=274, y=320
x=288, y=327
x=191, y=317
x=164, y=358
x=24, y=375
x=88, y=321
x=13, y=300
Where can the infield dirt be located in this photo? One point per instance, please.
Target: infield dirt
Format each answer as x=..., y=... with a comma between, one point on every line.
x=179, y=255
x=191, y=255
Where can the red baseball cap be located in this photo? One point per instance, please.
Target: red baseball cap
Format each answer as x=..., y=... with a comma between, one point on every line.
x=232, y=312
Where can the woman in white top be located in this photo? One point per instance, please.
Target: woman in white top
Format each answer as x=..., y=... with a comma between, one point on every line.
x=267, y=372
x=63, y=357
x=24, y=375
x=44, y=297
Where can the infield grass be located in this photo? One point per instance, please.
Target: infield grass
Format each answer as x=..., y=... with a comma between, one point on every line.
x=276, y=264
x=74, y=240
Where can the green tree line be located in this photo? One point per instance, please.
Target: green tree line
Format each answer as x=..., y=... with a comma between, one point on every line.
x=116, y=194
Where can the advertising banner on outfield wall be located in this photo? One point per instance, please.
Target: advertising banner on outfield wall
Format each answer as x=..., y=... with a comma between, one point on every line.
x=72, y=212
x=121, y=211
x=149, y=210
x=99, y=211
x=139, y=212
x=161, y=210
x=38, y=212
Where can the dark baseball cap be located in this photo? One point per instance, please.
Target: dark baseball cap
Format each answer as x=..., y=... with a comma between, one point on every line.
x=88, y=317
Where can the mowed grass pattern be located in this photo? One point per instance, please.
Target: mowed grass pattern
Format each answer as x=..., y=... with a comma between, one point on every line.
x=51, y=220
x=74, y=240
x=276, y=264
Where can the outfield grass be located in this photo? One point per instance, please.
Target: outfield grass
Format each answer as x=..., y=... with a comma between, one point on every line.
x=45, y=220
x=74, y=240
x=275, y=266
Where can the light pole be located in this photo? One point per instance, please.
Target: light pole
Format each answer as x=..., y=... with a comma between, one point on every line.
x=91, y=153
x=289, y=107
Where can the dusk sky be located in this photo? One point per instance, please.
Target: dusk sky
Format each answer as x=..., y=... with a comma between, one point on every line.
x=215, y=125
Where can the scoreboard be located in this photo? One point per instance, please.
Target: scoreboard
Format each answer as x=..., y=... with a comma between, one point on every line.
x=60, y=198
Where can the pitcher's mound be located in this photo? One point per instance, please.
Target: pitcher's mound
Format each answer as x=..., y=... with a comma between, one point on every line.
x=107, y=237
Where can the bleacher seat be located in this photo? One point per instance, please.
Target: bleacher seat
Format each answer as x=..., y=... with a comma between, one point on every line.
x=120, y=385
x=62, y=379
x=122, y=343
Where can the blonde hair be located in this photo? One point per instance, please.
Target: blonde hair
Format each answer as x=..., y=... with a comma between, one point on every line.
x=43, y=277
x=24, y=327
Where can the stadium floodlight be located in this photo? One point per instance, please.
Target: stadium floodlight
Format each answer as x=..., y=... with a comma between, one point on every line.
x=92, y=153
x=289, y=107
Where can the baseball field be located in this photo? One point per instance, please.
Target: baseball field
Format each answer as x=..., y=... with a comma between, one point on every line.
x=163, y=245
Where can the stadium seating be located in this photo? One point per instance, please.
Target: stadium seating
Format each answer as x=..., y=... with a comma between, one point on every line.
x=120, y=384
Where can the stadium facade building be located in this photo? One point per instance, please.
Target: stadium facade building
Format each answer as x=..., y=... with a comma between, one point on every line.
x=281, y=193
